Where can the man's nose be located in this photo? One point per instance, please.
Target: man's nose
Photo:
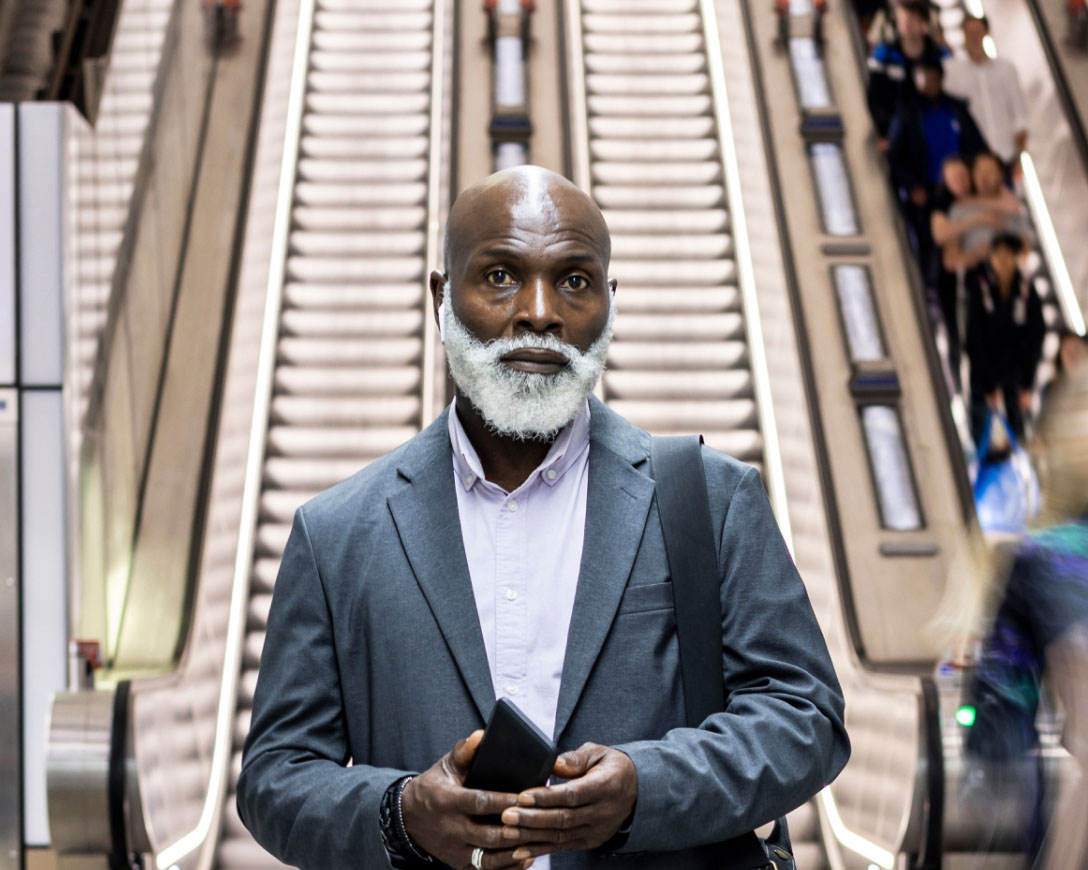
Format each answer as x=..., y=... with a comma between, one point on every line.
x=538, y=307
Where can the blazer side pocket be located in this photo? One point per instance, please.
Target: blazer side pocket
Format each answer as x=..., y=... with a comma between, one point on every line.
x=651, y=596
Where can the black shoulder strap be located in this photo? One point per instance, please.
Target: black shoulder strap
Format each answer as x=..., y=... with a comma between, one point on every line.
x=683, y=506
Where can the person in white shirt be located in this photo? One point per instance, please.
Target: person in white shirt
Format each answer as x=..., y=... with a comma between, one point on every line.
x=991, y=87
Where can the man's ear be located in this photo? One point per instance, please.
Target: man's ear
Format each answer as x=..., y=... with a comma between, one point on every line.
x=438, y=282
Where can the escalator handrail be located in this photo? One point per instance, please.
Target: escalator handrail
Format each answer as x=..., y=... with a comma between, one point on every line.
x=198, y=837
x=773, y=471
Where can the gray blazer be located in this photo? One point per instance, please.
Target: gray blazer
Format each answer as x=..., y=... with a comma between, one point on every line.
x=374, y=655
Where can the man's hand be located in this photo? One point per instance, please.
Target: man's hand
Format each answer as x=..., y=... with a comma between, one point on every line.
x=1025, y=400
x=441, y=815
x=918, y=195
x=580, y=814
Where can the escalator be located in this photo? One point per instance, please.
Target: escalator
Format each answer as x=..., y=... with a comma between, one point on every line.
x=348, y=379
x=347, y=188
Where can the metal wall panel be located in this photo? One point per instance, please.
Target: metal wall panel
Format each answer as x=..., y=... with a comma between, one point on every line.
x=44, y=590
x=11, y=809
x=7, y=244
x=41, y=243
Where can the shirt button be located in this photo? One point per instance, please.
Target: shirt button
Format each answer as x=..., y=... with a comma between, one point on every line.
x=512, y=506
x=470, y=479
x=551, y=474
x=511, y=594
x=511, y=689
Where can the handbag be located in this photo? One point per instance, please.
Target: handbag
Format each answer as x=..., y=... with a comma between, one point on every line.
x=683, y=506
x=1006, y=489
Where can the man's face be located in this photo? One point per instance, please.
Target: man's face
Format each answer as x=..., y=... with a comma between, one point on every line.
x=531, y=261
x=928, y=81
x=910, y=24
x=525, y=308
x=974, y=31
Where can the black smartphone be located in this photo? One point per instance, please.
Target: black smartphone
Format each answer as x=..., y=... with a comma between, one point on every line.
x=514, y=754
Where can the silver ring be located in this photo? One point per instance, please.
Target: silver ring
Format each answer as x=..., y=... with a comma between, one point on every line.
x=478, y=858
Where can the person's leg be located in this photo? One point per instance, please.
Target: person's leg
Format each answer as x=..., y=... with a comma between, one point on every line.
x=980, y=411
x=1012, y=411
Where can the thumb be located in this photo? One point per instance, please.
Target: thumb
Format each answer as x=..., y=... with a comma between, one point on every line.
x=575, y=763
x=462, y=754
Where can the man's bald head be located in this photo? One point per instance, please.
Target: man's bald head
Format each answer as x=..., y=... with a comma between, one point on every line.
x=522, y=195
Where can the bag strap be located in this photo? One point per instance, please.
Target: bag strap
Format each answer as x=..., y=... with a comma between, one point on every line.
x=683, y=507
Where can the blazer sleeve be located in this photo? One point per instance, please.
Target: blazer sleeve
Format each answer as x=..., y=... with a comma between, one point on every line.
x=781, y=737
x=296, y=794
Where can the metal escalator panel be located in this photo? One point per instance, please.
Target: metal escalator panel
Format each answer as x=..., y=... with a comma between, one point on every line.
x=348, y=380
x=679, y=362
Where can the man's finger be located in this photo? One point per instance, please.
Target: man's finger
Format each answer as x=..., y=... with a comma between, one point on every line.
x=473, y=802
x=543, y=824
x=462, y=754
x=577, y=793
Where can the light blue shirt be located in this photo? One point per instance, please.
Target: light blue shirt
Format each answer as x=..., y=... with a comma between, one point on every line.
x=524, y=551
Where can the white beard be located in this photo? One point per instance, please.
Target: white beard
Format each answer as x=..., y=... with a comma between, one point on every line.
x=528, y=406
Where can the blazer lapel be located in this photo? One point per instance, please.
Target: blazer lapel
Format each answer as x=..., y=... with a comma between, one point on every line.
x=617, y=504
x=425, y=514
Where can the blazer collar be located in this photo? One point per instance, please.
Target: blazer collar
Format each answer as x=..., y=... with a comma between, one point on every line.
x=617, y=504
x=425, y=514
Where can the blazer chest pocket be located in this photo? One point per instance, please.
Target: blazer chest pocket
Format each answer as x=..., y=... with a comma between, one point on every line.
x=651, y=596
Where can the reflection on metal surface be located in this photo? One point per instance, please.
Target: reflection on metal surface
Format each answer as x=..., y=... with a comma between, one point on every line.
x=11, y=810
x=851, y=840
x=859, y=319
x=1063, y=284
x=78, y=766
x=891, y=469
x=833, y=186
x=808, y=73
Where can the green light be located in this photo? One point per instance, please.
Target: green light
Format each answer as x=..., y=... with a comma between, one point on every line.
x=966, y=716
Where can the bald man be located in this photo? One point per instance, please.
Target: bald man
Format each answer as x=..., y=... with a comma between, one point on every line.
x=513, y=548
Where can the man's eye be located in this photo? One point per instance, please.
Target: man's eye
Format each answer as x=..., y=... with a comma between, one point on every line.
x=576, y=282
x=500, y=278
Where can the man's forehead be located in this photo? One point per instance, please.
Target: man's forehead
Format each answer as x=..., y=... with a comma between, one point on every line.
x=522, y=206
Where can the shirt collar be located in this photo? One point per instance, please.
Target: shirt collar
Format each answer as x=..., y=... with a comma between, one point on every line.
x=572, y=441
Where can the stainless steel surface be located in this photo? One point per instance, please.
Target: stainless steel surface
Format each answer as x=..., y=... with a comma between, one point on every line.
x=7, y=244
x=43, y=590
x=11, y=798
x=78, y=772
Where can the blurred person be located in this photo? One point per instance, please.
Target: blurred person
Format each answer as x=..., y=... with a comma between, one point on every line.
x=956, y=188
x=1040, y=630
x=994, y=208
x=992, y=90
x=929, y=126
x=514, y=548
x=891, y=64
x=1005, y=331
